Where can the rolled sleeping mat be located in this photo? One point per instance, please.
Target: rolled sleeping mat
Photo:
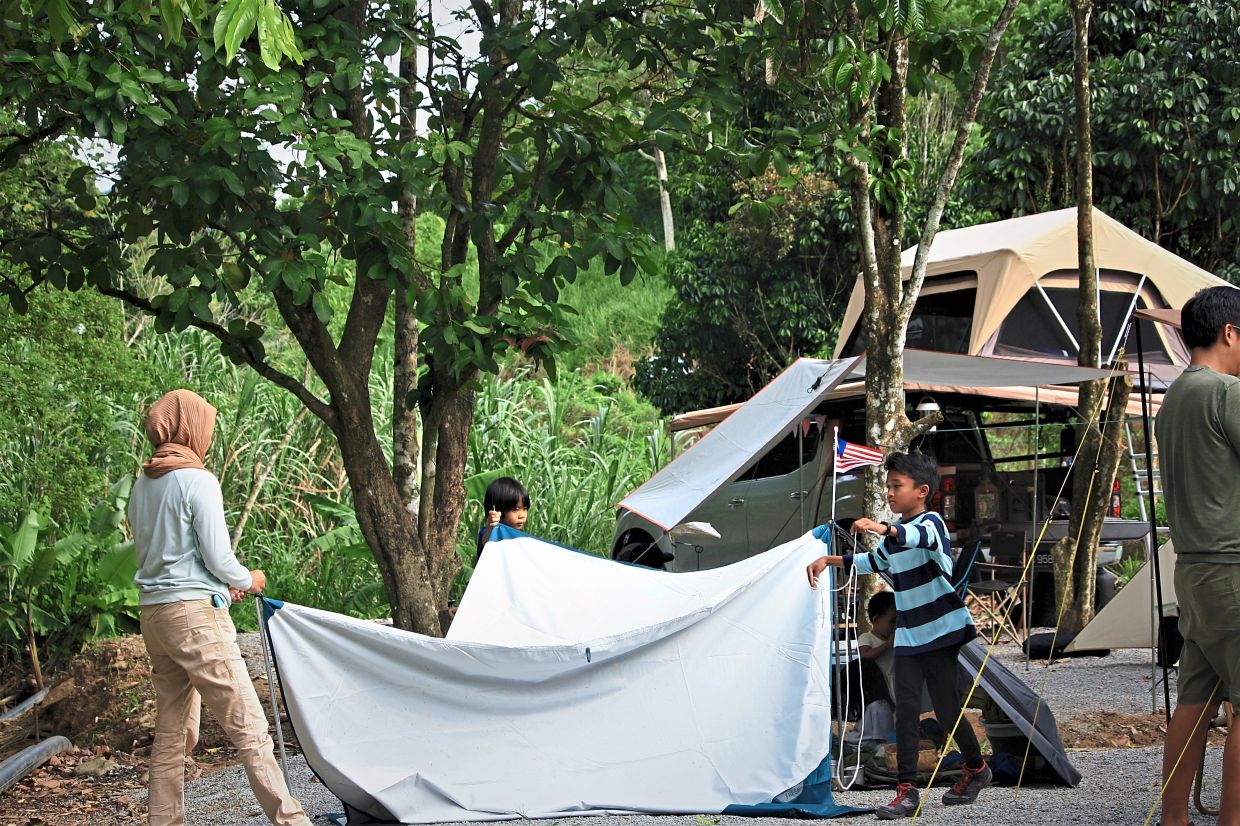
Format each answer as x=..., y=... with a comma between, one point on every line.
x=30, y=758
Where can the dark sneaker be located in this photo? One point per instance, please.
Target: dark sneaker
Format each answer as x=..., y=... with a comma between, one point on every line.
x=967, y=787
x=905, y=804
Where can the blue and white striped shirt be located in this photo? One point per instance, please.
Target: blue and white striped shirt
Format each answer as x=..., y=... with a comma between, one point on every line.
x=918, y=565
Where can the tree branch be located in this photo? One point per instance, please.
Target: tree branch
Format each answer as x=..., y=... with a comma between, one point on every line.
x=948, y=179
x=264, y=369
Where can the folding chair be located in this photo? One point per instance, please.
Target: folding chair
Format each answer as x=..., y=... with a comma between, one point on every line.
x=962, y=569
x=996, y=598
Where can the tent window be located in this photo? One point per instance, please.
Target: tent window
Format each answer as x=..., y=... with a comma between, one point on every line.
x=1032, y=329
x=941, y=321
x=782, y=458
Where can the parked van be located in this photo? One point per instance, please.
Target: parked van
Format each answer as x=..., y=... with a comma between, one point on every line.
x=787, y=491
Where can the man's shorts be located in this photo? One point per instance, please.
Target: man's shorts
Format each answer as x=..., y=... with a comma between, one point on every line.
x=1209, y=597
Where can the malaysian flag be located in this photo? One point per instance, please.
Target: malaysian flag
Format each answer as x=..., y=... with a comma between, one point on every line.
x=849, y=456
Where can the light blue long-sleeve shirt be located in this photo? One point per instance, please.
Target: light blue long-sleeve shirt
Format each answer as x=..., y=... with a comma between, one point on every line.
x=181, y=538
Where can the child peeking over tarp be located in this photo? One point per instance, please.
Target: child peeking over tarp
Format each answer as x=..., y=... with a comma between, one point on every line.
x=932, y=624
x=506, y=502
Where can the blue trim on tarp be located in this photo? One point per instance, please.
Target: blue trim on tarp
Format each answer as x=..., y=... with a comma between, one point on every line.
x=270, y=606
x=502, y=531
x=814, y=801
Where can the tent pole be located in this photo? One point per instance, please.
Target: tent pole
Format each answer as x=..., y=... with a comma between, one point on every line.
x=1152, y=544
x=835, y=452
x=801, y=491
x=1037, y=515
x=271, y=686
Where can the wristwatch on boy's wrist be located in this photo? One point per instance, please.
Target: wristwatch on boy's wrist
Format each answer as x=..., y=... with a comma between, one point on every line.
x=886, y=529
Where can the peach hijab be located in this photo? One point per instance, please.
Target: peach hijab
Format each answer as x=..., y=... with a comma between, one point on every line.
x=180, y=425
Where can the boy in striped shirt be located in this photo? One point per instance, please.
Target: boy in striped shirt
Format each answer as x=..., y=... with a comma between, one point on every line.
x=932, y=623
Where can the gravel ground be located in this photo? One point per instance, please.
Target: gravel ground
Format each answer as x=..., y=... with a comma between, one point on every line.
x=1120, y=786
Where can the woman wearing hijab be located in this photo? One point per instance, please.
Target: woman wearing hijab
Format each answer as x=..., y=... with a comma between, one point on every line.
x=187, y=574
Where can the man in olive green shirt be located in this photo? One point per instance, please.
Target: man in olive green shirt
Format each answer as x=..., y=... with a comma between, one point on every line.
x=1198, y=433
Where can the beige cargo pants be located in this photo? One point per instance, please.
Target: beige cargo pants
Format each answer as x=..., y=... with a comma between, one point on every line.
x=193, y=648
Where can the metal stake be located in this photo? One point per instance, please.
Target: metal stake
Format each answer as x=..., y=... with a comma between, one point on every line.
x=271, y=685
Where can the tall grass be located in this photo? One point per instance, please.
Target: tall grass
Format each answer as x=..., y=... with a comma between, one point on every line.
x=284, y=485
x=614, y=325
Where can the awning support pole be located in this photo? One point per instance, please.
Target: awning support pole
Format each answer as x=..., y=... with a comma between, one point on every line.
x=1037, y=515
x=1156, y=614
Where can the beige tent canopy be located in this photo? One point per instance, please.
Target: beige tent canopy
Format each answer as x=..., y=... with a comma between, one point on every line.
x=1024, y=271
x=1127, y=621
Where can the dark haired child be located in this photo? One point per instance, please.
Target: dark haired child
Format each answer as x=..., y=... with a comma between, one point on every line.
x=506, y=502
x=932, y=624
x=874, y=647
x=877, y=644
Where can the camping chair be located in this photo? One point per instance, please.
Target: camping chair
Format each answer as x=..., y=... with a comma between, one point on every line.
x=963, y=568
x=995, y=597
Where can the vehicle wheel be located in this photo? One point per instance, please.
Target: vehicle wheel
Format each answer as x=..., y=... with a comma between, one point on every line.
x=637, y=547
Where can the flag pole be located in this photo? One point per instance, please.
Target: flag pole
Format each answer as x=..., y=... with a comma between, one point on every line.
x=835, y=455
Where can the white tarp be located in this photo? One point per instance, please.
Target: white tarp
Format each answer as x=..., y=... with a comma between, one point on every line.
x=720, y=456
x=569, y=684
x=1127, y=620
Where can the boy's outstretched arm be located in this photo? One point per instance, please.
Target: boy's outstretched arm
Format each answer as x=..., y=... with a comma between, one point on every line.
x=815, y=568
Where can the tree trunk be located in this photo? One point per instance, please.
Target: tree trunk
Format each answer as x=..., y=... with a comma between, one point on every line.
x=889, y=301
x=1098, y=459
x=451, y=414
x=389, y=529
x=405, y=438
x=665, y=201
x=1075, y=556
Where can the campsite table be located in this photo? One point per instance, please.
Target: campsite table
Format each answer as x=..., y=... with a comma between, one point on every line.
x=1114, y=531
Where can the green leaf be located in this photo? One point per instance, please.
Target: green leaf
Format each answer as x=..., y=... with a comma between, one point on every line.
x=476, y=485
x=269, y=28
x=540, y=84
x=173, y=20
x=240, y=25
x=24, y=540
x=77, y=180
x=118, y=566
x=321, y=308
x=49, y=555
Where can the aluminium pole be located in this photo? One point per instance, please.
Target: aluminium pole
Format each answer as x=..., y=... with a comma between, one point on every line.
x=1156, y=619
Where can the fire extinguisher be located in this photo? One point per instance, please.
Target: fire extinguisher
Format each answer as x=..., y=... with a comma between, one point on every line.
x=1115, y=503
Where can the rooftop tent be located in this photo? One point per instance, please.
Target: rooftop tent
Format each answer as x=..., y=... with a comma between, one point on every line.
x=570, y=684
x=720, y=456
x=1009, y=288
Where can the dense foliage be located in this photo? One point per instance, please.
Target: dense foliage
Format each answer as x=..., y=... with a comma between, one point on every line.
x=1166, y=123
x=261, y=184
x=755, y=287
